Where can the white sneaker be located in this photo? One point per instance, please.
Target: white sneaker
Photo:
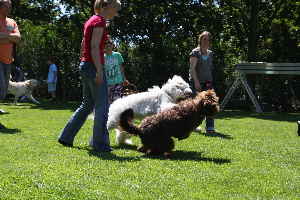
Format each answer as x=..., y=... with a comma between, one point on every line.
x=198, y=129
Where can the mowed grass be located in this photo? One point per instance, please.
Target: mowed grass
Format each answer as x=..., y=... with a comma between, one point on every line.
x=253, y=156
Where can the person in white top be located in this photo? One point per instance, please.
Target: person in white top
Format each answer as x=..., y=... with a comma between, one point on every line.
x=52, y=78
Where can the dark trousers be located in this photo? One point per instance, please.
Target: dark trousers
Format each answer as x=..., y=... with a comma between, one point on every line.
x=210, y=122
x=5, y=70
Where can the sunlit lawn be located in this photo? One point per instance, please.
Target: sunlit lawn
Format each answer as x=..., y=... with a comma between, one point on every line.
x=253, y=156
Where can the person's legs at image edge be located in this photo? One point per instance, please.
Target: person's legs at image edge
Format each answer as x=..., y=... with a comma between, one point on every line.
x=5, y=70
x=4, y=80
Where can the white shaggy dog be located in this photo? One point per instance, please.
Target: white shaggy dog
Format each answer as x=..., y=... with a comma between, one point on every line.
x=147, y=103
x=25, y=88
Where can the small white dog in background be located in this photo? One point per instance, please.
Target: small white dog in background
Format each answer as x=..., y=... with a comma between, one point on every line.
x=154, y=100
x=24, y=88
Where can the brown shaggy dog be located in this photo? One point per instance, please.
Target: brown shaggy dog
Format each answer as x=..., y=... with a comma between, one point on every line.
x=156, y=131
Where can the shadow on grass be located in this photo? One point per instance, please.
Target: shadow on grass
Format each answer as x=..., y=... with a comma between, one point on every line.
x=111, y=156
x=107, y=155
x=9, y=130
x=190, y=155
x=125, y=146
x=122, y=146
x=218, y=134
x=2, y=112
x=273, y=116
x=47, y=105
x=56, y=106
x=176, y=155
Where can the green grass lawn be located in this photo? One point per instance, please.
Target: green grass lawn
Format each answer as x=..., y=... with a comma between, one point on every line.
x=253, y=156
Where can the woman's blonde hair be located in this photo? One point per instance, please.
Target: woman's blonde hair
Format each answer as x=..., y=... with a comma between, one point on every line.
x=99, y=4
x=202, y=35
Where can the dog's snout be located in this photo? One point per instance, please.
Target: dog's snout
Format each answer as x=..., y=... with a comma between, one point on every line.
x=188, y=92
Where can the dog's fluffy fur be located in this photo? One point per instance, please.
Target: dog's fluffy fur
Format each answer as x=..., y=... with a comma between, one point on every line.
x=25, y=88
x=154, y=100
x=156, y=131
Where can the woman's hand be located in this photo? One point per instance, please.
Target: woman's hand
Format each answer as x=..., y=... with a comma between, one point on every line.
x=99, y=79
x=197, y=86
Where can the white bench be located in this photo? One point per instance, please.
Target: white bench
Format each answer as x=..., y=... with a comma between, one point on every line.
x=258, y=68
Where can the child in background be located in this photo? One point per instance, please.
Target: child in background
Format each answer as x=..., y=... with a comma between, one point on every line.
x=52, y=78
x=114, y=71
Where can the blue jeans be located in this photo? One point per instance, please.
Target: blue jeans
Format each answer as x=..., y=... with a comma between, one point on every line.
x=5, y=70
x=210, y=122
x=95, y=97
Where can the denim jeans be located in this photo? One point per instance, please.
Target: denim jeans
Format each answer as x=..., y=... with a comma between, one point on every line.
x=5, y=70
x=210, y=122
x=95, y=98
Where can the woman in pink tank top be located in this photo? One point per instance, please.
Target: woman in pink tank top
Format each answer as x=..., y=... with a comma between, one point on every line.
x=93, y=79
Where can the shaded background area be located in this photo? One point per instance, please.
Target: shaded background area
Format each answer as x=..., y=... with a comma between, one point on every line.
x=155, y=38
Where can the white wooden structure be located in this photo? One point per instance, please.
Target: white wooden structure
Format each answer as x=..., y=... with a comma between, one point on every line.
x=258, y=68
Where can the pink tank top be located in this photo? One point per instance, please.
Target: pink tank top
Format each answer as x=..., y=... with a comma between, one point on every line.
x=90, y=24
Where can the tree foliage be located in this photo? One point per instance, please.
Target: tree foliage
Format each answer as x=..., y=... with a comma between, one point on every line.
x=155, y=37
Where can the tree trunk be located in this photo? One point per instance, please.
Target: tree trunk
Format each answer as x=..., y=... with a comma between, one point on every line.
x=252, y=34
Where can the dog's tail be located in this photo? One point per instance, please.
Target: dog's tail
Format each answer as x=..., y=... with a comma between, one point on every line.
x=126, y=122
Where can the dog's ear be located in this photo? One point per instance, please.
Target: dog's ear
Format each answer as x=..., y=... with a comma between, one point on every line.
x=211, y=102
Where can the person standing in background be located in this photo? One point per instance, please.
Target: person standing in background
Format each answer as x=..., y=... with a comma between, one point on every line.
x=9, y=36
x=201, y=71
x=52, y=78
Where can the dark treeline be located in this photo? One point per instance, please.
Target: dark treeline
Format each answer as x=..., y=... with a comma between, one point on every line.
x=155, y=37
